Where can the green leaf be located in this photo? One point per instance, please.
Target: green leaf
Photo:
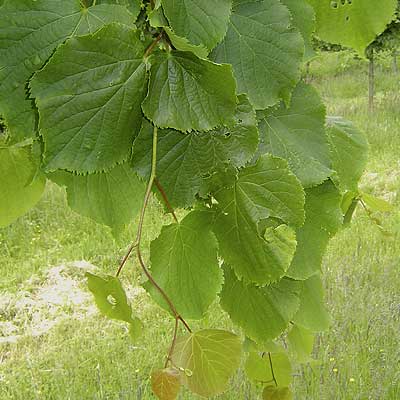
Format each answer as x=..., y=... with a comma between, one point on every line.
x=166, y=383
x=312, y=313
x=21, y=183
x=134, y=6
x=111, y=198
x=183, y=160
x=184, y=263
x=274, y=393
x=29, y=32
x=112, y=302
x=264, y=50
x=89, y=98
x=349, y=152
x=375, y=203
x=187, y=93
x=266, y=190
x=211, y=356
x=258, y=367
x=323, y=219
x=352, y=23
x=303, y=18
x=301, y=343
x=297, y=133
x=202, y=22
x=181, y=43
x=274, y=306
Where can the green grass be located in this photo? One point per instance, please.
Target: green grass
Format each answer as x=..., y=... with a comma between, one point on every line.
x=92, y=358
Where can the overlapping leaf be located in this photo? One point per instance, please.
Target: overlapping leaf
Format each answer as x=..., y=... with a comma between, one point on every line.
x=323, y=219
x=262, y=312
x=349, y=152
x=111, y=198
x=89, y=98
x=266, y=190
x=352, y=23
x=134, y=6
x=264, y=50
x=183, y=160
x=301, y=343
x=209, y=358
x=272, y=392
x=184, y=263
x=29, y=33
x=187, y=93
x=202, y=22
x=297, y=133
x=21, y=183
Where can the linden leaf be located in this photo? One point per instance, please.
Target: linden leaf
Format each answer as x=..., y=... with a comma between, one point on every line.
x=21, y=183
x=166, y=383
x=184, y=256
x=202, y=22
x=111, y=198
x=274, y=305
x=267, y=366
x=264, y=50
x=104, y=77
x=112, y=302
x=349, y=153
x=324, y=217
x=297, y=133
x=29, y=32
x=187, y=93
x=352, y=23
x=211, y=356
x=265, y=190
x=312, y=313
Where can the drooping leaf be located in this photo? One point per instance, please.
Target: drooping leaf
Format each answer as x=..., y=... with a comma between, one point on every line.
x=111, y=198
x=183, y=160
x=303, y=18
x=29, y=33
x=202, y=22
x=112, y=302
x=297, y=133
x=301, y=343
x=184, y=263
x=166, y=383
x=21, y=184
x=264, y=50
x=352, y=23
x=349, y=152
x=209, y=357
x=312, y=313
x=277, y=393
x=89, y=98
x=323, y=219
x=267, y=189
x=182, y=44
x=187, y=93
x=258, y=367
x=272, y=306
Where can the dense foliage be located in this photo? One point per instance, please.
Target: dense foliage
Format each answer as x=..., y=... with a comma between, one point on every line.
x=202, y=103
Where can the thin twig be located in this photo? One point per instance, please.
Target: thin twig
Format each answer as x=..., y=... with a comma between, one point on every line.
x=166, y=201
x=171, y=349
x=153, y=44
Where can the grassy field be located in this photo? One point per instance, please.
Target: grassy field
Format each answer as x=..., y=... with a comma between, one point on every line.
x=52, y=349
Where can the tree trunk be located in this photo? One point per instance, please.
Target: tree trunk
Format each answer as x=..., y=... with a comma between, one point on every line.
x=371, y=76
